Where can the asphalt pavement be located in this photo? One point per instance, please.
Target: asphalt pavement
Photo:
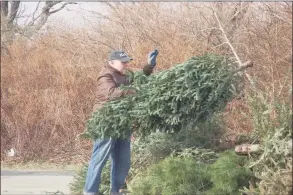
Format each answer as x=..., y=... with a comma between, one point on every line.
x=35, y=182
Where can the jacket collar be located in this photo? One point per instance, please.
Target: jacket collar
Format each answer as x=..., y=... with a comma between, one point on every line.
x=113, y=70
x=110, y=68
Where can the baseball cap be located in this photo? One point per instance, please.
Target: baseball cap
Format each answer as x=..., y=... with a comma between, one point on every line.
x=119, y=55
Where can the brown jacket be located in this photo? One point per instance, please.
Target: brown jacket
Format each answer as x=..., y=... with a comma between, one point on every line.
x=108, y=81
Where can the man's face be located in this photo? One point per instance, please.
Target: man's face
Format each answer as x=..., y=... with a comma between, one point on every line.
x=118, y=65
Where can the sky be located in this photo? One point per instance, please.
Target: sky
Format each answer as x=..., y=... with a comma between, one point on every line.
x=72, y=14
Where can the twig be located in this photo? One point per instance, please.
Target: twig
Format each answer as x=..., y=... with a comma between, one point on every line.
x=59, y=9
x=95, y=42
x=35, y=11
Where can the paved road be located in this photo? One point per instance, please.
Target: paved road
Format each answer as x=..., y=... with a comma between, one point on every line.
x=35, y=182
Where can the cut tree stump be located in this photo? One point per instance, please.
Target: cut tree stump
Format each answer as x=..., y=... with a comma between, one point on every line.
x=247, y=148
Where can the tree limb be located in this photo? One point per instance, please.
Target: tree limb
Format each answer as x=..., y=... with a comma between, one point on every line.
x=231, y=47
x=239, y=12
x=33, y=20
x=244, y=66
x=4, y=8
x=59, y=9
x=226, y=39
x=45, y=14
x=13, y=11
x=49, y=5
x=38, y=22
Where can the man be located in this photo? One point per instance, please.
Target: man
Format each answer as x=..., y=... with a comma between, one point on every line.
x=109, y=79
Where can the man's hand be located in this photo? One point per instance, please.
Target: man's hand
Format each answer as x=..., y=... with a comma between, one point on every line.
x=152, y=58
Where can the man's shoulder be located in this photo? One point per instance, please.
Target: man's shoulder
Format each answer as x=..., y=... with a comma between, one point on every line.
x=104, y=71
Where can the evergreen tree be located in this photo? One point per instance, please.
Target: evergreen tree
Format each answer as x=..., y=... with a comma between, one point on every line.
x=169, y=101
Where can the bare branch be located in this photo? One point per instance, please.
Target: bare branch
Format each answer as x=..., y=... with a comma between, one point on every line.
x=234, y=22
x=35, y=11
x=227, y=40
x=98, y=14
x=38, y=22
x=24, y=34
x=59, y=9
x=20, y=14
x=239, y=12
x=4, y=8
x=232, y=48
x=49, y=5
x=287, y=21
x=94, y=41
x=13, y=11
x=244, y=66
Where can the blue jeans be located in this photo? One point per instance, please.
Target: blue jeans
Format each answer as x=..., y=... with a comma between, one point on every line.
x=119, y=149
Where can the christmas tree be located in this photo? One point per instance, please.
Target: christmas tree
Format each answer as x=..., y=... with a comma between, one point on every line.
x=169, y=101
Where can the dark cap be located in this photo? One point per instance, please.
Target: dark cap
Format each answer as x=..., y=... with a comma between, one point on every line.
x=119, y=55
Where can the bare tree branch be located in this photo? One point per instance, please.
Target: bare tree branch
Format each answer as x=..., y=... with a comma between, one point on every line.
x=35, y=12
x=49, y=5
x=239, y=12
x=4, y=8
x=244, y=66
x=226, y=39
x=38, y=22
x=45, y=14
x=20, y=14
x=233, y=50
x=59, y=9
x=95, y=42
x=98, y=14
x=13, y=11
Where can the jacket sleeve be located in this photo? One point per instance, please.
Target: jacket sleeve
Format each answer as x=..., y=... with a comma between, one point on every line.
x=107, y=86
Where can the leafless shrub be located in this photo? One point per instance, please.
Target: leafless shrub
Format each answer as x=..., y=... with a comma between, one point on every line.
x=47, y=86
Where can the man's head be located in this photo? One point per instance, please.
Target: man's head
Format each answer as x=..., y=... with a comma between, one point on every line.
x=118, y=59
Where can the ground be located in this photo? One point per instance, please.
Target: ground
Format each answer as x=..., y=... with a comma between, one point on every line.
x=47, y=181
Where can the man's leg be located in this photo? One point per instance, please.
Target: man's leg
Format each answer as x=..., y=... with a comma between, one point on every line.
x=101, y=152
x=120, y=163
